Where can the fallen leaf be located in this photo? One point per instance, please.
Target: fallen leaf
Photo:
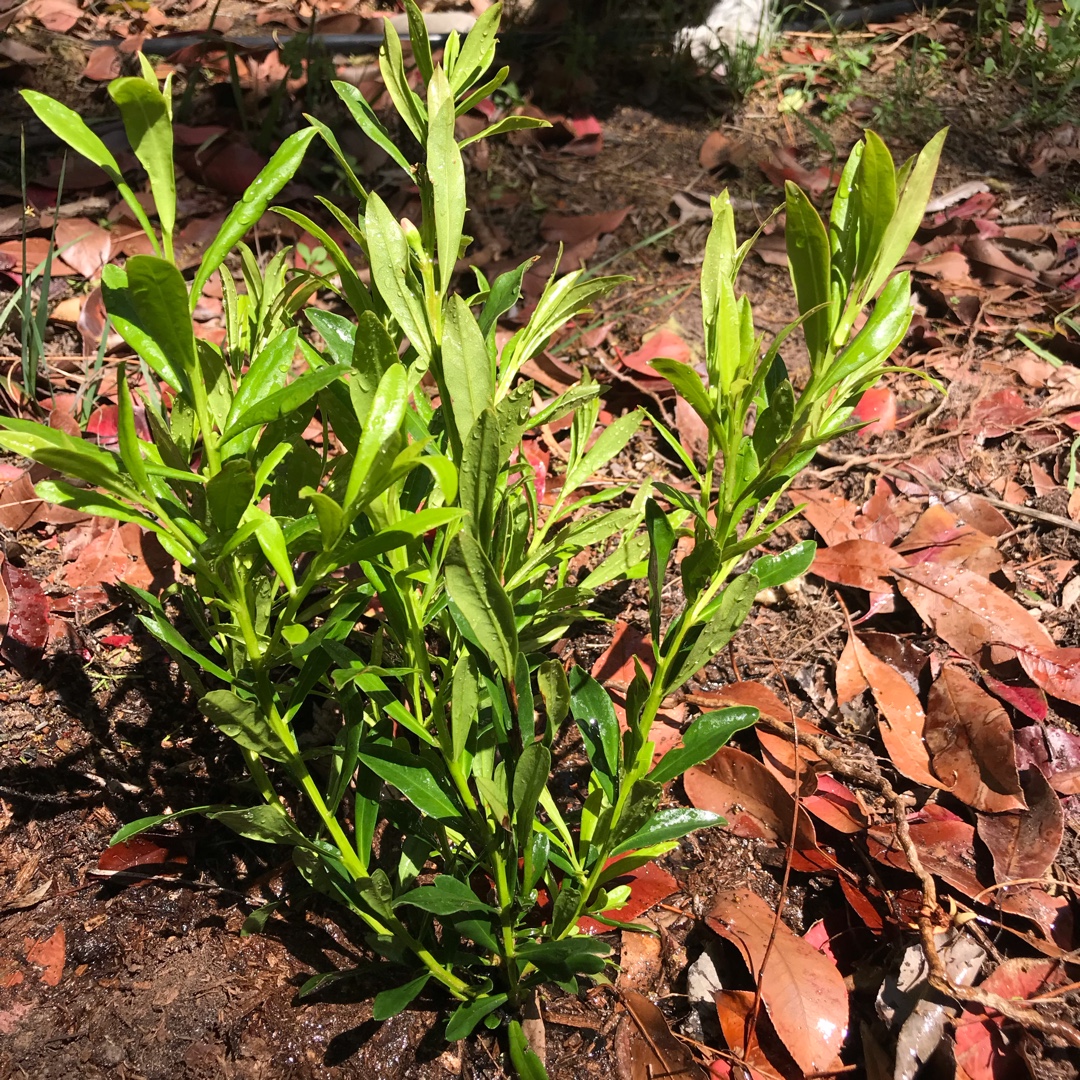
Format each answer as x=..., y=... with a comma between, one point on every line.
x=86, y=246
x=49, y=953
x=20, y=53
x=640, y=961
x=1066, y=782
x=832, y=515
x=765, y=1056
x=1025, y=843
x=645, y=1047
x=1000, y=413
x=103, y=64
x=614, y=667
x=859, y=564
x=664, y=343
x=26, y=619
x=649, y=885
x=901, y=720
x=970, y=613
x=804, y=993
x=738, y=787
x=877, y=410
x=982, y=1051
x=971, y=744
x=1057, y=671
x=1029, y=700
x=57, y=15
x=138, y=851
x=577, y=228
x=939, y=537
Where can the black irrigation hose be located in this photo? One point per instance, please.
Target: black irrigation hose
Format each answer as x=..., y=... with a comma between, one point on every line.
x=171, y=44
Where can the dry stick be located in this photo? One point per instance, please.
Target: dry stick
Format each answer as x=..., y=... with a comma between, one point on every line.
x=937, y=976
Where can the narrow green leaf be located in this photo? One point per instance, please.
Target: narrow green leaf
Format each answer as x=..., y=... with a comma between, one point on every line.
x=229, y=494
x=773, y=570
x=477, y=487
x=734, y=605
x=281, y=403
x=702, y=739
x=474, y=586
x=278, y=171
x=369, y=123
x=809, y=260
x=379, y=439
x=527, y=1066
x=595, y=716
x=467, y=369
x=465, y=1017
x=661, y=542
x=445, y=895
x=530, y=776
x=669, y=825
x=446, y=172
x=267, y=823
x=159, y=300
x=133, y=828
x=413, y=778
x=389, y=1003
x=688, y=383
x=242, y=722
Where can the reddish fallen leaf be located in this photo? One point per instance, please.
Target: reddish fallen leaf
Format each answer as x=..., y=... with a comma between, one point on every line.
x=614, y=667
x=86, y=246
x=26, y=620
x=876, y=409
x=1066, y=782
x=901, y=719
x=983, y=1051
x=640, y=961
x=1057, y=671
x=1025, y=843
x=970, y=613
x=228, y=167
x=782, y=165
x=738, y=787
x=859, y=564
x=1029, y=700
x=38, y=249
x=804, y=993
x=57, y=15
x=49, y=953
x=693, y=433
x=107, y=552
x=103, y=64
x=939, y=537
x=116, y=641
x=971, y=744
x=999, y=413
x=664, y=343
x=138, y=851
x=1049, y=749
x=975, y=511
x=765, y=1056
x=20, y=508
x=649, y=885
x=832, y=515
x=575, y=229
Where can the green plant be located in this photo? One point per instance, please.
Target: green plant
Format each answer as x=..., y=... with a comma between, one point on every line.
x=406, y=573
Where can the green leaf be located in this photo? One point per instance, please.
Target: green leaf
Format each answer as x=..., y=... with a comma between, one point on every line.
x=465, y=1017
x=159, y=300
x=369, y=123
x=392, y=66
x=229, y=494
x=734, y=605
x=555, y=690
x=70, y=127
x=267, y=823
x=689, y=385
x=446, y=172
x=474, y=586
x=140, y=825
x=467, y=369
x=63, y=452
x=504, y=294
x=282, y=403
x=163, y=630
x=354, y=289
x=773, y=570
x=126, y=321
x=809, y=259
x=610, y=442
x=595, y=716
x=478, y=50
x=278, y=171
x=391, y=269
x=412, y=777
x=479, y=473
x=527, y=1066
x=145, y=113
x=530, y=776
x=661, y=541
x=702, y=739
x=445, y=895
x=130, y=450
x=389, y=1003
x=243, y=723
x=501, y=127
x=271, y=539
x=873, y=201
x=566, y=957
x=669, y=825
x=379, y=439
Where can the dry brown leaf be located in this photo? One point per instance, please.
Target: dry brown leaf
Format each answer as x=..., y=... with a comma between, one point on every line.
x=802, y=989
x=1057, y=671
x=86, y=246
x=971, y=744
x=640, y=961
x=901, y=719
x=646, y=1047
x=971, y=614
x=1025, y=843
x=859, y=564
x=832, y=515
x=766, y=1056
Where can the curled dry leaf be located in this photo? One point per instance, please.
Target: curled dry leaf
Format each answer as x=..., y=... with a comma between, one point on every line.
x=972, y=615
x=1025, y=843
x=803, y=991
x=738, y=787
x=645, y=1046
x=971, y=744
x=859, y=564
x=901, y=719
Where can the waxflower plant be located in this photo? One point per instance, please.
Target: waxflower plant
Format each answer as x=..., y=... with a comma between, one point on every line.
x=366, y=613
